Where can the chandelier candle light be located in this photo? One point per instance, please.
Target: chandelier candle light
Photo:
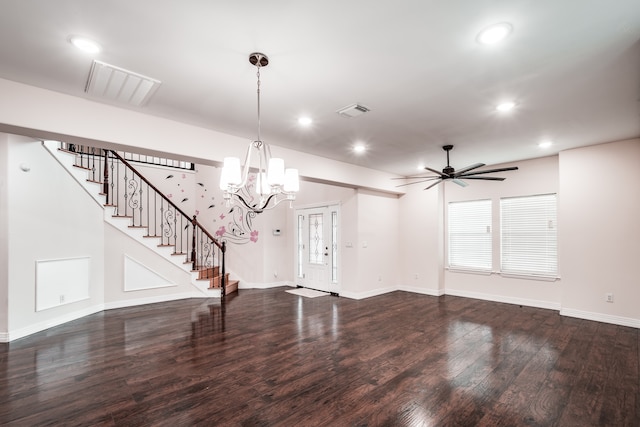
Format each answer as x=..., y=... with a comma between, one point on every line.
x=274, y=183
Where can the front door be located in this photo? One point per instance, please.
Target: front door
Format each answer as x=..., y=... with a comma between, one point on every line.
x=317, y=244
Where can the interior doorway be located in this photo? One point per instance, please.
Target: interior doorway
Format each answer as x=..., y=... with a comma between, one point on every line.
x=317, y=242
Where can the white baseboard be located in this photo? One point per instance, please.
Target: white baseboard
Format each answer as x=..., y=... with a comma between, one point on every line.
x=44, y=325
x=367, y=294
x=41, y=326
x=424, y=291
x=549, y=305
x=600, y=317
x=6, y=337
x=151, y=300
x=247, y=285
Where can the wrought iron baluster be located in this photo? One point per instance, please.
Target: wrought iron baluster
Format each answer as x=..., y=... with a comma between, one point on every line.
x=193, y=244
x=223, y=249
x=175, y=232
x=148, y=209
x=115, y=185
x=140, y=208
x=105, y=177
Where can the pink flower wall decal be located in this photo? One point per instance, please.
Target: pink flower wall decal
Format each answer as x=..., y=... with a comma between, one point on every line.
x=254, y=236
x=220, y=232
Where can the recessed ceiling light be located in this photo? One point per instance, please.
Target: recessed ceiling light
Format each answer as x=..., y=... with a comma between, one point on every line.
x=85, y=44
x=494, y=33
x=305, y=121
x=359, y=148
x=545, y=144
x=506, y=106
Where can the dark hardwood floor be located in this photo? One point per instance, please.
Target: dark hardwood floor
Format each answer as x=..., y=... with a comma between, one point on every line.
x=269, y=358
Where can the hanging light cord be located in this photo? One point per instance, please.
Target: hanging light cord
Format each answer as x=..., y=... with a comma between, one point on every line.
x=258, y=91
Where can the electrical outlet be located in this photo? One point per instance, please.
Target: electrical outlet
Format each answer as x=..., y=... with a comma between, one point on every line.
x=608, y=297
x=61, y=299
x=416, y=277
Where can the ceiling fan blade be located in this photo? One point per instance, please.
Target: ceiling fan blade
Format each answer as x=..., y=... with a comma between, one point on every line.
x=416, y=177
x=418, y=182
x=468, y=168
x=435, y=171
x=513, y=168
x=460, y=182
x=486, y=178
x=434, y=184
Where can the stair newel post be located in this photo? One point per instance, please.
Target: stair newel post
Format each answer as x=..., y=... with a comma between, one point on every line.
x=193, y=244
x=223, y=281
x=105, y=175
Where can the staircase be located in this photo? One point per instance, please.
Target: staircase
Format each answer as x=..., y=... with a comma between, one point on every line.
x=135, y=206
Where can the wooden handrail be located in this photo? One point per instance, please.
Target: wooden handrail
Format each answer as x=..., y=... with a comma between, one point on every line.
x=119, y=157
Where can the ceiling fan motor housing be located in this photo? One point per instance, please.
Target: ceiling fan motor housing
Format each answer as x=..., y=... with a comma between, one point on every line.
x=448, y=170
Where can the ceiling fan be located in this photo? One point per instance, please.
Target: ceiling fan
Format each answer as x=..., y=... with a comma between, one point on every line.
x=450, y=174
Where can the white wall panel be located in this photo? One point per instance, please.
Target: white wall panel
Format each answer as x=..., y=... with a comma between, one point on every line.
x=61, y=281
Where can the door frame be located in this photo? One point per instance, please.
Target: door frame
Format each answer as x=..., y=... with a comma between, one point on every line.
x=334, y=206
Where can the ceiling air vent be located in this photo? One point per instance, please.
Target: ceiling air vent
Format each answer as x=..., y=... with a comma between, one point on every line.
x=120, y=85
x=354, y=110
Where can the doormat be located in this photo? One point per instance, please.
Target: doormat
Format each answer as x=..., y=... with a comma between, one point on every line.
x=309, y=293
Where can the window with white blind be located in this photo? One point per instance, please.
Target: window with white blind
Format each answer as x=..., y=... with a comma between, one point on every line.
x=469, y=230
x=529, y=243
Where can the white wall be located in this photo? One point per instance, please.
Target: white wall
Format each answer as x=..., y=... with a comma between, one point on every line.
x=599, y=219
x=375, y=248
x=539, y=176
x=45, y=222
x=4, y=237
x=421, y=245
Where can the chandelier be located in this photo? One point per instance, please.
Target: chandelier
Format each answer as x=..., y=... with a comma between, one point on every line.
x=273, y=183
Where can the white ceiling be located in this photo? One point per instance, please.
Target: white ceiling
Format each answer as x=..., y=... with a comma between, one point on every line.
x=572, y=66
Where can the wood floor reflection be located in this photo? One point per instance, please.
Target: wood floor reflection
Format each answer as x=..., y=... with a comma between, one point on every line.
x=269, y=358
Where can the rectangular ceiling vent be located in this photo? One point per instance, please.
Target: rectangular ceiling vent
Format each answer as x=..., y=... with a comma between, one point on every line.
x=354, y=110
x=120, y=85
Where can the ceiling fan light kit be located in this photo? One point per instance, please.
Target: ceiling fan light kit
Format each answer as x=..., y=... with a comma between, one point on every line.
x=458, y=177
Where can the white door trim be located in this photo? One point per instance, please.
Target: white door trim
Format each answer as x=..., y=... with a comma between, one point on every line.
x=333, y=270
